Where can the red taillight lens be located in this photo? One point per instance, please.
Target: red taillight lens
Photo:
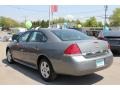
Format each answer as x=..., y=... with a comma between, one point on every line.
x=72, y=49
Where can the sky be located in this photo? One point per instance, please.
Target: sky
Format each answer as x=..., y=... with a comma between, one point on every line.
x=39, y=12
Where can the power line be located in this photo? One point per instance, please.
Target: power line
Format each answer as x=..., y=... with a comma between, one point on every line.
x=31, y=10
x=84, y=12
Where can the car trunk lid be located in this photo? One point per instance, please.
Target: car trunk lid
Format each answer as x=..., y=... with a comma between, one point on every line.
x=93, y=47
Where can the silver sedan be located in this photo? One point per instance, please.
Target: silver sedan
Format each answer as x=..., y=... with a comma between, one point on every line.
x=56, y=51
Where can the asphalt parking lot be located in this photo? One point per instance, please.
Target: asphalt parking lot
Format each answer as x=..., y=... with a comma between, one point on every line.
x=19, y=74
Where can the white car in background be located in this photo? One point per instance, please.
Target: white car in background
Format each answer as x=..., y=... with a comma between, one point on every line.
x=6, y=37
x=0, y=38
x=22, y=29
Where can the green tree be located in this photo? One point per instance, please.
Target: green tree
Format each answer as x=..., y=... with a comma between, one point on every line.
x=42, y=24
x=115, y=18
x=8, y=22
x=77, y=22
x=59, y=20
x=22, y=24
x=36, y=24
x=99, y=24
x=47, y=24
x=91, y=22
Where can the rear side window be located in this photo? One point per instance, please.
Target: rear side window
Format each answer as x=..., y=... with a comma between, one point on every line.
x=70, y=35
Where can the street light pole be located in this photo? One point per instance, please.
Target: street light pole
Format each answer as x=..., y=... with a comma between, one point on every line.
x=105, y=20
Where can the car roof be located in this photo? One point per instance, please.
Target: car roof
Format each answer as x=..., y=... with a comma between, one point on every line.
x=52, y=29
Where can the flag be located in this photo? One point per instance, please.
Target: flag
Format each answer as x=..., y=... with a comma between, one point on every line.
x=54, y=8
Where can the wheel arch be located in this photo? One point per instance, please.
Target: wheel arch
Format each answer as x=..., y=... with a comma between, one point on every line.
x=42, y=56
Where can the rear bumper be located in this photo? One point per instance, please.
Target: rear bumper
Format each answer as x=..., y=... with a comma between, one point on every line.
x=88, y=67
x=78, y=65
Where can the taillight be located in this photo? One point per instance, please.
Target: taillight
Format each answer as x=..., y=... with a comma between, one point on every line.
x=72, y=49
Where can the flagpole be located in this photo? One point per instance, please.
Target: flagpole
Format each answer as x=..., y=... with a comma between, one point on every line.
x=52, y=19
x=53, y=9
x=49, y=14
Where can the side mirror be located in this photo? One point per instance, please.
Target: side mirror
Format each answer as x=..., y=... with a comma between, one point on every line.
x=15, y=38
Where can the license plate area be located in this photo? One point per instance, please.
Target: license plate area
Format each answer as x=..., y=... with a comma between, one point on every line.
x=100, y=63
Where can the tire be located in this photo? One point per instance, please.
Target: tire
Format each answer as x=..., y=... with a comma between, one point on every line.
x=46, y=70
x=9, y=57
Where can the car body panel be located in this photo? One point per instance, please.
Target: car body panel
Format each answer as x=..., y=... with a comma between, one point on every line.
x=53, y=49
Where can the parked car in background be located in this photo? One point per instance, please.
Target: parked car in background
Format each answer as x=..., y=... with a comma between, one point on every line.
x=6, y=36
x=9, y=36
x=56, y=51
x=113, y=38
x=94, y=33
x=17, y=30
x=0, y=39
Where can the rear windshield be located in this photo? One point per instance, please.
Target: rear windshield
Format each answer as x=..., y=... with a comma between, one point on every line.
x=70, y=35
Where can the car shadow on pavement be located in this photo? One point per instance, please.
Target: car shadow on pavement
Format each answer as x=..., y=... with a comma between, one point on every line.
x=116, y=53
x=61, y=80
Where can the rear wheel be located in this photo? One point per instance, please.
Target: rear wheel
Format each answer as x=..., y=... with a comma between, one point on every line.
x=46, y=70
x=9, y=57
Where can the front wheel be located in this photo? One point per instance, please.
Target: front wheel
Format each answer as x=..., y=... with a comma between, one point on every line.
x=46, y=70
x=9, y=56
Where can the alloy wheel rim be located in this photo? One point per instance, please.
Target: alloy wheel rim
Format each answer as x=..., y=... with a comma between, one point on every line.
x=9, y=56
x=45, y=70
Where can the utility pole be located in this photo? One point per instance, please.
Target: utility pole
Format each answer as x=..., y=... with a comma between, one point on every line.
x=52, y=19
x=105, y=20
x=49, y=15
